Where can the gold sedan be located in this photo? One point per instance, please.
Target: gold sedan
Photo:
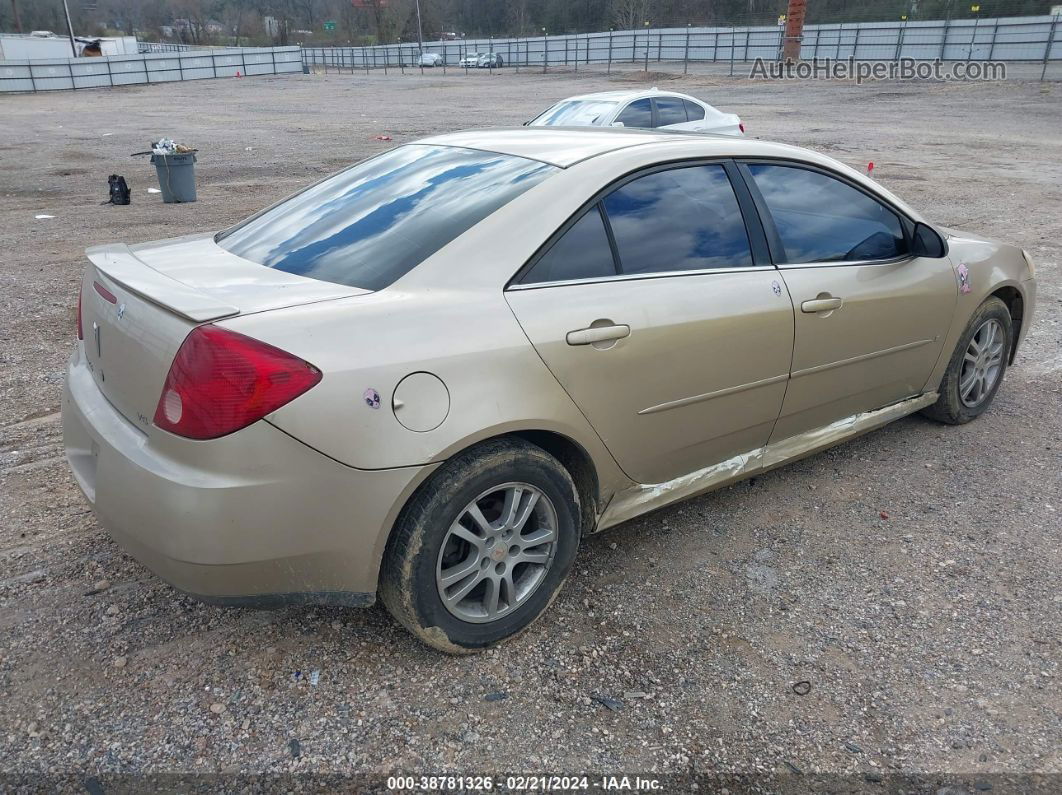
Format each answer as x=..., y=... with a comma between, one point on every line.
x=429, y=375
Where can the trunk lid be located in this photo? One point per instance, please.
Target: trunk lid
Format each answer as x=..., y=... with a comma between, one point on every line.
x=138, y=303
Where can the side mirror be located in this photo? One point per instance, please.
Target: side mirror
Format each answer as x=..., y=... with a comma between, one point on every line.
x=617, y=124
x=926, y=242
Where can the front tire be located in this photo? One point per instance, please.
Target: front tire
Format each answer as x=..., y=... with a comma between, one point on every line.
x=977, y=366
x=483, y=547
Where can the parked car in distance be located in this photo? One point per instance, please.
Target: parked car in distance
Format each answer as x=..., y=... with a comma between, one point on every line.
x=470, y=61
x=431, y=59
x=642, y=109
x=392, y=383
x=490, y=60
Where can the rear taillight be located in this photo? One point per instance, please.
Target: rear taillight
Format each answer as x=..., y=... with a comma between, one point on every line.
x=741, y=126
x=80, y=329
x=221, y=381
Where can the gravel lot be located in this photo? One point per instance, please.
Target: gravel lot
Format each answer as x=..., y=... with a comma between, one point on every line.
x=930, y=639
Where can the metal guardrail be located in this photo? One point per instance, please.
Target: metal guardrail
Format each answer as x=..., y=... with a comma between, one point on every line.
x=1014, y=39
x=121, y=70
x=158, y=46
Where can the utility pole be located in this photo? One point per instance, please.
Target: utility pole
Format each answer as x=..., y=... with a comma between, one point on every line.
x=794, y=29
x=420, y=30
x=14, y=10
x=70, y=28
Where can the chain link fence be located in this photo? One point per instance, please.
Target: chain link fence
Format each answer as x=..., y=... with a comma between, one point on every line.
x=1008, y=39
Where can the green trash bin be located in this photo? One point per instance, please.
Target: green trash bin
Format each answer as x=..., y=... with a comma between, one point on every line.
x=176, y=175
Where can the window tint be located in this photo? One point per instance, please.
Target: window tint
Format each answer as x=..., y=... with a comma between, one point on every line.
x=669, y=110
x=694, y=112
x=582, y=252
x=638, y=114
x=821, y=219
x=376, y=221
x=676, y=220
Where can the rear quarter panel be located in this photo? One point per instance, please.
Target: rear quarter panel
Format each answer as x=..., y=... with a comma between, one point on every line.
x=495, y=382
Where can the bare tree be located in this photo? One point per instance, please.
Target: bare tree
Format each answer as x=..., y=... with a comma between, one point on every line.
x=519, y=18
x=307, y=8
x=14, y=12
x=388, y=17
x=630, y=14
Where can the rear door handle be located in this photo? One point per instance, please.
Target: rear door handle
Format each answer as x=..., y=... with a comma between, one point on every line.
x=821, y=305
x=588, y=336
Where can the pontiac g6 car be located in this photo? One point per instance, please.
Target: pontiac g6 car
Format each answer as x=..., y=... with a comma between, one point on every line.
x=429, y=375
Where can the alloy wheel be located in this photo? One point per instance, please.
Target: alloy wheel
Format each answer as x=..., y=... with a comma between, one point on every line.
x=497, y=552
x=982, y=363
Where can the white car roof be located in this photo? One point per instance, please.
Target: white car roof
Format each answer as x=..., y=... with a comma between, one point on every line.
x=627, y=96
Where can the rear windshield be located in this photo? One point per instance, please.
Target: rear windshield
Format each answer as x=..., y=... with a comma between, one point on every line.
x=575, y=113
x=374, y=222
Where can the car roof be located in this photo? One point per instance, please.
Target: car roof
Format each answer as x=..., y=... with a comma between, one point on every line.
x=566, y=146
x=558, y=146
x=626, y=96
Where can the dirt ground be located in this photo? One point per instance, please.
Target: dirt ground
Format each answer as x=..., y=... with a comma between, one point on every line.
x=931, y=640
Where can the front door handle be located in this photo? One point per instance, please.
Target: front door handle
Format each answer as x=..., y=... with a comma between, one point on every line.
x=821, y=305
x=590, y=336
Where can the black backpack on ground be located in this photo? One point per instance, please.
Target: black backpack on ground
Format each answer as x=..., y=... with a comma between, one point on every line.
x=119, y=190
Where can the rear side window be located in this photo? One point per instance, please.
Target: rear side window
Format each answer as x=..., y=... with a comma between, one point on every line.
x=822, y=219
x=638, y=114
x=374, y=222
x=677, y=220
x=583, y=252
x=694, y=112
x=669, y=110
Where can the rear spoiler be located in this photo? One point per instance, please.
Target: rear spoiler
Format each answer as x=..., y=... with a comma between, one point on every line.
x=118, y=262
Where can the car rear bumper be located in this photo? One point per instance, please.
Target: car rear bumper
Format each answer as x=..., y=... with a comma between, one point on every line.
x=255, y=518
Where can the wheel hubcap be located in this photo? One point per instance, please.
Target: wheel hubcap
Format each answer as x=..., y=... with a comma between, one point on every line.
x=497, y=552
x=982, y=363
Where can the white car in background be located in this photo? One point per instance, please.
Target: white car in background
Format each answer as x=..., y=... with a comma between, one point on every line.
x=665, y=110
x=430, y=59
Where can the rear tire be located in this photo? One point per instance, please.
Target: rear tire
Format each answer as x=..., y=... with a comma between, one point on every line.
x=483, y=547
x=977, y=366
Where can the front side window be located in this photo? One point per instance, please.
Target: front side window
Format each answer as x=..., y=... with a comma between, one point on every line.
x=669, y=110
x=576, y=113
x=822, y=219
x=678, y=220
x=374, y=222
x=638, y=114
